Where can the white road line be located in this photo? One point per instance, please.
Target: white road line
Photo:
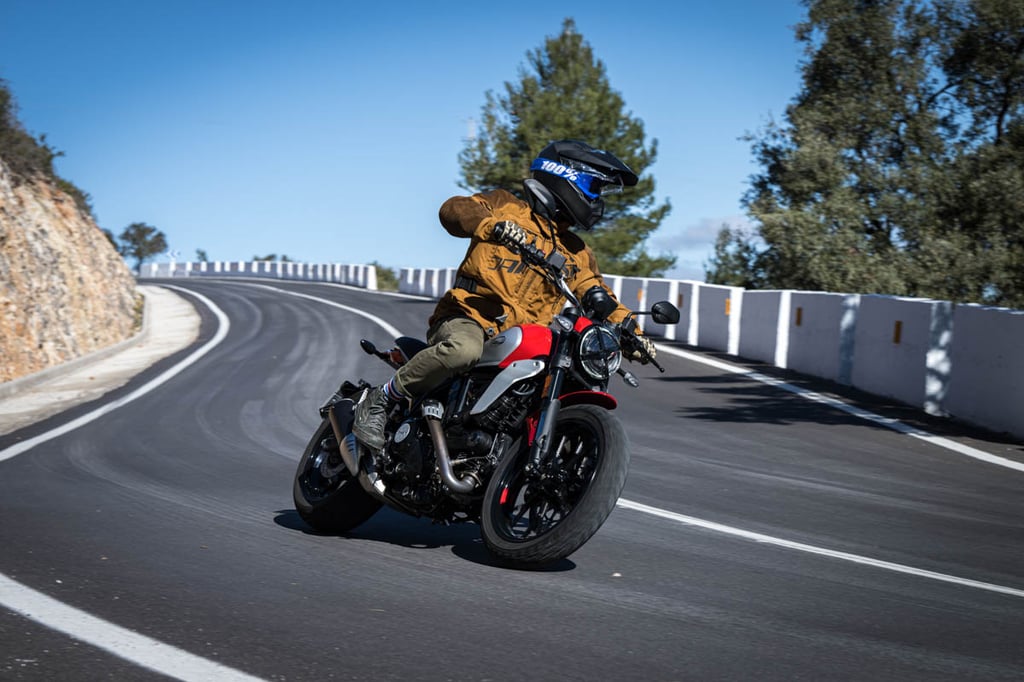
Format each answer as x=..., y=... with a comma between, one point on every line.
x=124, y=643
x=131, y=646
x=887, y=422
x=821, y=551
x=355, y=311
x=779, y=542
x=222, y=331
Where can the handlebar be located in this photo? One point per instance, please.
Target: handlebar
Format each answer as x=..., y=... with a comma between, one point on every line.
x=551, y=268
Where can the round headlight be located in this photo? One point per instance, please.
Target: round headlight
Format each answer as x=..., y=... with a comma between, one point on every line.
x=598, y=352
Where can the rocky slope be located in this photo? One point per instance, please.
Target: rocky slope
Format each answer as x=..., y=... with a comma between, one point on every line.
x=64, y=290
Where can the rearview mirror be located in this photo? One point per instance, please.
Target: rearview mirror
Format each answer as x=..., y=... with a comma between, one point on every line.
x=664, y=312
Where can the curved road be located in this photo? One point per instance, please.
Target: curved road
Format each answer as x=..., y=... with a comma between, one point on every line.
x=760, y=536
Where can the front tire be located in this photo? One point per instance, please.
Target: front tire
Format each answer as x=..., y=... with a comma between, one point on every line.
x=532, y=521
x=326, y=494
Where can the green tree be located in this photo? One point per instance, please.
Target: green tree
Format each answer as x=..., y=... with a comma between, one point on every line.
x=28, y=157
x=735, y=260
x=141, y=242
x=201, y=256
x=982, y=201
x=898, y=167
x=838, y=193
x=564, y=92
x=387, y=280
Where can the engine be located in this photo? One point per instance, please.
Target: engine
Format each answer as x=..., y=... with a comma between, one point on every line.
x=407, y=464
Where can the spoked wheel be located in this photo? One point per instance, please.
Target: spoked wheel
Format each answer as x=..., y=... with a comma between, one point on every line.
x=535, y=519
x=326, y=495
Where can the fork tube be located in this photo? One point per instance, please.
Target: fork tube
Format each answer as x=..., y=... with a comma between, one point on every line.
x=550, y=405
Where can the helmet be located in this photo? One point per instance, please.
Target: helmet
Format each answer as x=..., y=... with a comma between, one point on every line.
x=567, y=179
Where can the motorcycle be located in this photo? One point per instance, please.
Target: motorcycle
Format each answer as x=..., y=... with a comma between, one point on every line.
x=524, y=443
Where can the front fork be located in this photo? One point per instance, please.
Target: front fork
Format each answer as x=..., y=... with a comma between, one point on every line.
x=549, y=407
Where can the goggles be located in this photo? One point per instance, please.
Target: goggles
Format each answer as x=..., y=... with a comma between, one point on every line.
x=590, y=181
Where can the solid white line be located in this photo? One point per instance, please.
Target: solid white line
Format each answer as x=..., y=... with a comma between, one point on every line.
x=129, y=645
x=821, y=551
x=887, y=422
x=222, y=331
x=355, y=311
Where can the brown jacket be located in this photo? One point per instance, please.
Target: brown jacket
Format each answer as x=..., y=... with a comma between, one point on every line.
x=502, y=285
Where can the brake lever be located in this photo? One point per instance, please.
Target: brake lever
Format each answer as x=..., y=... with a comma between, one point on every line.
x=647, y=359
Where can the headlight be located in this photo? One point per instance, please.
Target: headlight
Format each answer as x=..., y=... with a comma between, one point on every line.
x=598, y=352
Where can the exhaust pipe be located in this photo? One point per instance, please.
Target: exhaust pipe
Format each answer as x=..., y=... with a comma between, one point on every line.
x=346, y=443
x=433, y=412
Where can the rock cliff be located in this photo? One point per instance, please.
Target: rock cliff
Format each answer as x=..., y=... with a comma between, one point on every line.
x=64, y=289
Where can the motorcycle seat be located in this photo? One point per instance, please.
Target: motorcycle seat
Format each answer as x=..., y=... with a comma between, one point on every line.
x=410, y=346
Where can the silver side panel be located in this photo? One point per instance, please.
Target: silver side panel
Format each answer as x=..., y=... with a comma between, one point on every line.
x=517, y=371
x=500, y=347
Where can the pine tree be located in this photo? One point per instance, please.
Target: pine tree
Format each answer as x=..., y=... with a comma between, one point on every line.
x=564, y=93
x=899, y=168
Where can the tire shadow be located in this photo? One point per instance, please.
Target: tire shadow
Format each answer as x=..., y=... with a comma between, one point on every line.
x=396, y=528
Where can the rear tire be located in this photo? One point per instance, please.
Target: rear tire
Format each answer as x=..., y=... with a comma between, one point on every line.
x=530, y=522
x=326, y=494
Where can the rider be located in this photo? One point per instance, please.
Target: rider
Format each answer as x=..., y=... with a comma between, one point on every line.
x=493, y=289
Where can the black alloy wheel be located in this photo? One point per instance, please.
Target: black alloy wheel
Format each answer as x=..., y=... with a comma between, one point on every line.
x=537, y=518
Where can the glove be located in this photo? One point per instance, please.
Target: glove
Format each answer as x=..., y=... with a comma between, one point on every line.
x=643, y=350
x=509, y=234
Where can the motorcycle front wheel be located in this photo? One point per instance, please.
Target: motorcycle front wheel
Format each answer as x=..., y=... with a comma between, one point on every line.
x=531, y=520
x=326, y=494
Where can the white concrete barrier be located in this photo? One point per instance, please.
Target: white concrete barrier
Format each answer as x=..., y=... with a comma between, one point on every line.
x=364, y=276
x=719, y=309
x=892, y=349
x=986, y=373
x=961, y=360
x=764, y=326
x=820, y=336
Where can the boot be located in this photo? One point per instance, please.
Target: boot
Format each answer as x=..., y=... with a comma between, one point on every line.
x=371, y=417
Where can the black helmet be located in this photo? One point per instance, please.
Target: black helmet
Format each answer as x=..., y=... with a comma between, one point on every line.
x=568, y=178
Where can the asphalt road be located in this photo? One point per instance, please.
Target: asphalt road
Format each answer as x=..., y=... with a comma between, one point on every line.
x=761, y=536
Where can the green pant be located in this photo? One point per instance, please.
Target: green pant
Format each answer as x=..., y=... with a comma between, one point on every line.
x=455, y=345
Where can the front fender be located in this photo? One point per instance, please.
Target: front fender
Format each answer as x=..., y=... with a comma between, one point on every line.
x=599, y=398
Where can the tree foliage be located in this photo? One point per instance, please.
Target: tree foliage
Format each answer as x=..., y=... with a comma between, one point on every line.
x=28, y=157
x=899, y=168
x=387, y=279
x=563, y=93
x=141, y=242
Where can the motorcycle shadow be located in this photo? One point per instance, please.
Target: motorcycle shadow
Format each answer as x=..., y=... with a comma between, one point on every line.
x=399, y=529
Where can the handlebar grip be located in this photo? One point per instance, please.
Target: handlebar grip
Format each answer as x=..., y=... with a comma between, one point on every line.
x=532, y=254
x=499, y=232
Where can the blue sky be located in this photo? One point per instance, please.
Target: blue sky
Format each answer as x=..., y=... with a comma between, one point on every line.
x=329, y=131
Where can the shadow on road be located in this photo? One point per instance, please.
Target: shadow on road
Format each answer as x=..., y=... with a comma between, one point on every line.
x=395, y=528
x=738, y=399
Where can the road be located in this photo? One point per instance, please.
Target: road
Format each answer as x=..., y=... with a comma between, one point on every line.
x=760, y=535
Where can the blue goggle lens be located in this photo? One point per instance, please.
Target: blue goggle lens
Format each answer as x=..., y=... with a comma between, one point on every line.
x=592, y=185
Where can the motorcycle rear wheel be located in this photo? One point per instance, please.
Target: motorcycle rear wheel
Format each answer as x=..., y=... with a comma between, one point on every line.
x=532, y=521
x=326, y=494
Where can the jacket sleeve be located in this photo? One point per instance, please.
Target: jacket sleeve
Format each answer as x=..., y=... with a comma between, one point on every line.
x=471, y=216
